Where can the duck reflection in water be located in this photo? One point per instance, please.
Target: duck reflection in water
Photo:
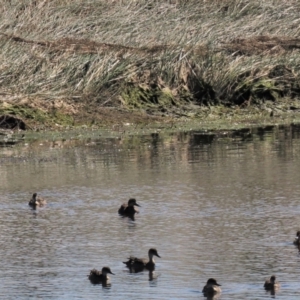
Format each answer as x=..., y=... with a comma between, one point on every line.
x=128, y=209
x=153, y=278
x=100, y=277
x=139, y=264
x=213, y=297
x=142, y=269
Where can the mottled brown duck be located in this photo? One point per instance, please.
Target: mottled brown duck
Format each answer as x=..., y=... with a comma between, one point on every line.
x=36, y=201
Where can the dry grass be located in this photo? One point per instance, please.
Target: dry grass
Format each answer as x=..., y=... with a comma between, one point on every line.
x=156, y=53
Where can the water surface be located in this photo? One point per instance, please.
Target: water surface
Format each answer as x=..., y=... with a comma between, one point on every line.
x=224, y=206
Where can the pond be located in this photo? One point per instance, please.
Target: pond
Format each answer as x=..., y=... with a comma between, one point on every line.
x=222, y=205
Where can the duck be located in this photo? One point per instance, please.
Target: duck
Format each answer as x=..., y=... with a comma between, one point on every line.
x=271, y=284
x=128, y=209
x=36, y=201
x=297, y=239
x=138, y=264
x=96, y=276
x=211, y=288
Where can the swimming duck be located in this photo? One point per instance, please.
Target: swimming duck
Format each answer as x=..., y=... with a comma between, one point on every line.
x=36, y=201
x=271, y=284
x=100, y=277
x=211, y=288
x=297, y=239
x=139, y=264
x=129, y=208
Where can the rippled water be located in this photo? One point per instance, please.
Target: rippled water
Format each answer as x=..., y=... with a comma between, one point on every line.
x=212, y=205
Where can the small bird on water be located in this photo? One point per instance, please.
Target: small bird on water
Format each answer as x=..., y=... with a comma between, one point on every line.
x=96, y=276
x=138, y=264
x=297, y=239
x=211, y=288
x=128, y=209
x=36, y=201
x=271, y=284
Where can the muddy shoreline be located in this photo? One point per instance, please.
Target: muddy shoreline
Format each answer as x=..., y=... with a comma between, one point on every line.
x=65, y=116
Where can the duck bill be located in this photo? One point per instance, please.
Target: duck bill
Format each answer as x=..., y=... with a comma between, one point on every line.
x=157, y=255
x=111, y=273
x=137, y=205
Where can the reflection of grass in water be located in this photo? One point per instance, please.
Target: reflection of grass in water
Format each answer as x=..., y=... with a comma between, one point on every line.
x=157, y=55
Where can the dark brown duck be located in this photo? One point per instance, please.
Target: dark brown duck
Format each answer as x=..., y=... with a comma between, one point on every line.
x=128, y=209
x=297, y=239
x=141, y=263
x=211, y=288
x=271, y=284
x=96, y=276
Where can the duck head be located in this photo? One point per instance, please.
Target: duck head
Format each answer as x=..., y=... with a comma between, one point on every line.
x=132, y=202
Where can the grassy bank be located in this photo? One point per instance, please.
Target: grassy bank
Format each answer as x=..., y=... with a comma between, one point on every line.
x=72, y=61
